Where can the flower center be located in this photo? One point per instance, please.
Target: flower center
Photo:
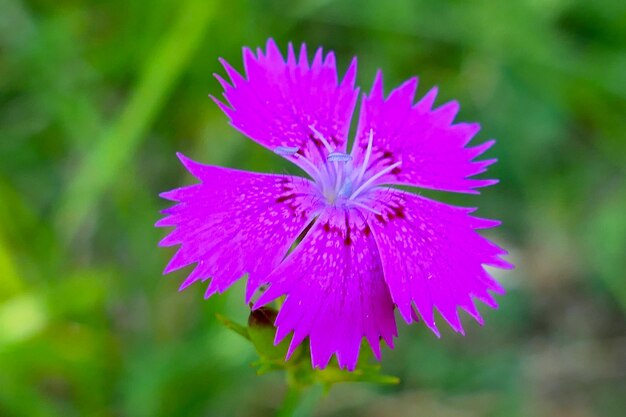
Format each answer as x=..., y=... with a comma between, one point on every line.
x=341, y=181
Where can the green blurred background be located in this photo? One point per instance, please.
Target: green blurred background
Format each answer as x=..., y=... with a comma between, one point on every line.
x=97, y=96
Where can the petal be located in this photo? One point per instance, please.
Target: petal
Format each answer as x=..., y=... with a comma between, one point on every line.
x=433, y=257
x=279, y=100
x=335, y=290
x=431, y=149
x=235, y=222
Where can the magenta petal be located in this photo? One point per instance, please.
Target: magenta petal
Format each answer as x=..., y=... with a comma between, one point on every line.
x=431, y=149
x=278, y=100
x=433, y=258
x=335, y=290
x=235, y=222
x=366, y=248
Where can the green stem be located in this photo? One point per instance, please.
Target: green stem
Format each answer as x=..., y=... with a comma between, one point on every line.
x=291, y=401
x=299, y=401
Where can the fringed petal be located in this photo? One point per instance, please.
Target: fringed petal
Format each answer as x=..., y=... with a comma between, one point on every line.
x=432, y=150
x=336, y=295
x=433, y=258
x=235, y=222
x=284, y=102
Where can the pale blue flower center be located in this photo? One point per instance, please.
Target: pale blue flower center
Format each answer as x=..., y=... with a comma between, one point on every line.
x=341, y=181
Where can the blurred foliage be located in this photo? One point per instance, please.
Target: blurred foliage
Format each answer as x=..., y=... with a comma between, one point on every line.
x=97, y=96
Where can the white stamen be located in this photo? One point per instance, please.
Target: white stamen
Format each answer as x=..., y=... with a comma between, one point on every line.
x=374, y=178
x=336, y=171
x=338, y=177
x=368, y=153
x=316, y=174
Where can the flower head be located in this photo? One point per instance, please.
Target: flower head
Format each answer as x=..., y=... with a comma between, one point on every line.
x=367, y=247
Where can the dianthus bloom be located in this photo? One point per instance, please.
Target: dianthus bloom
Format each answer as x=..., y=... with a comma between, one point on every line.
x=366, y=247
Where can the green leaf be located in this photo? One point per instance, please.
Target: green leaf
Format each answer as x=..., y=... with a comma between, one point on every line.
x=235, y=327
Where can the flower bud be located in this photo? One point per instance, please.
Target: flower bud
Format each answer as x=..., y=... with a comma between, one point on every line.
x=262, y=333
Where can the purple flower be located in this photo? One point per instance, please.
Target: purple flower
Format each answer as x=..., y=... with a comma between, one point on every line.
x=367, y=247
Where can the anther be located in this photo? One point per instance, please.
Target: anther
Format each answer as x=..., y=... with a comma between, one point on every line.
x=338, y=157
x=302, y=161
x=286, y=150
